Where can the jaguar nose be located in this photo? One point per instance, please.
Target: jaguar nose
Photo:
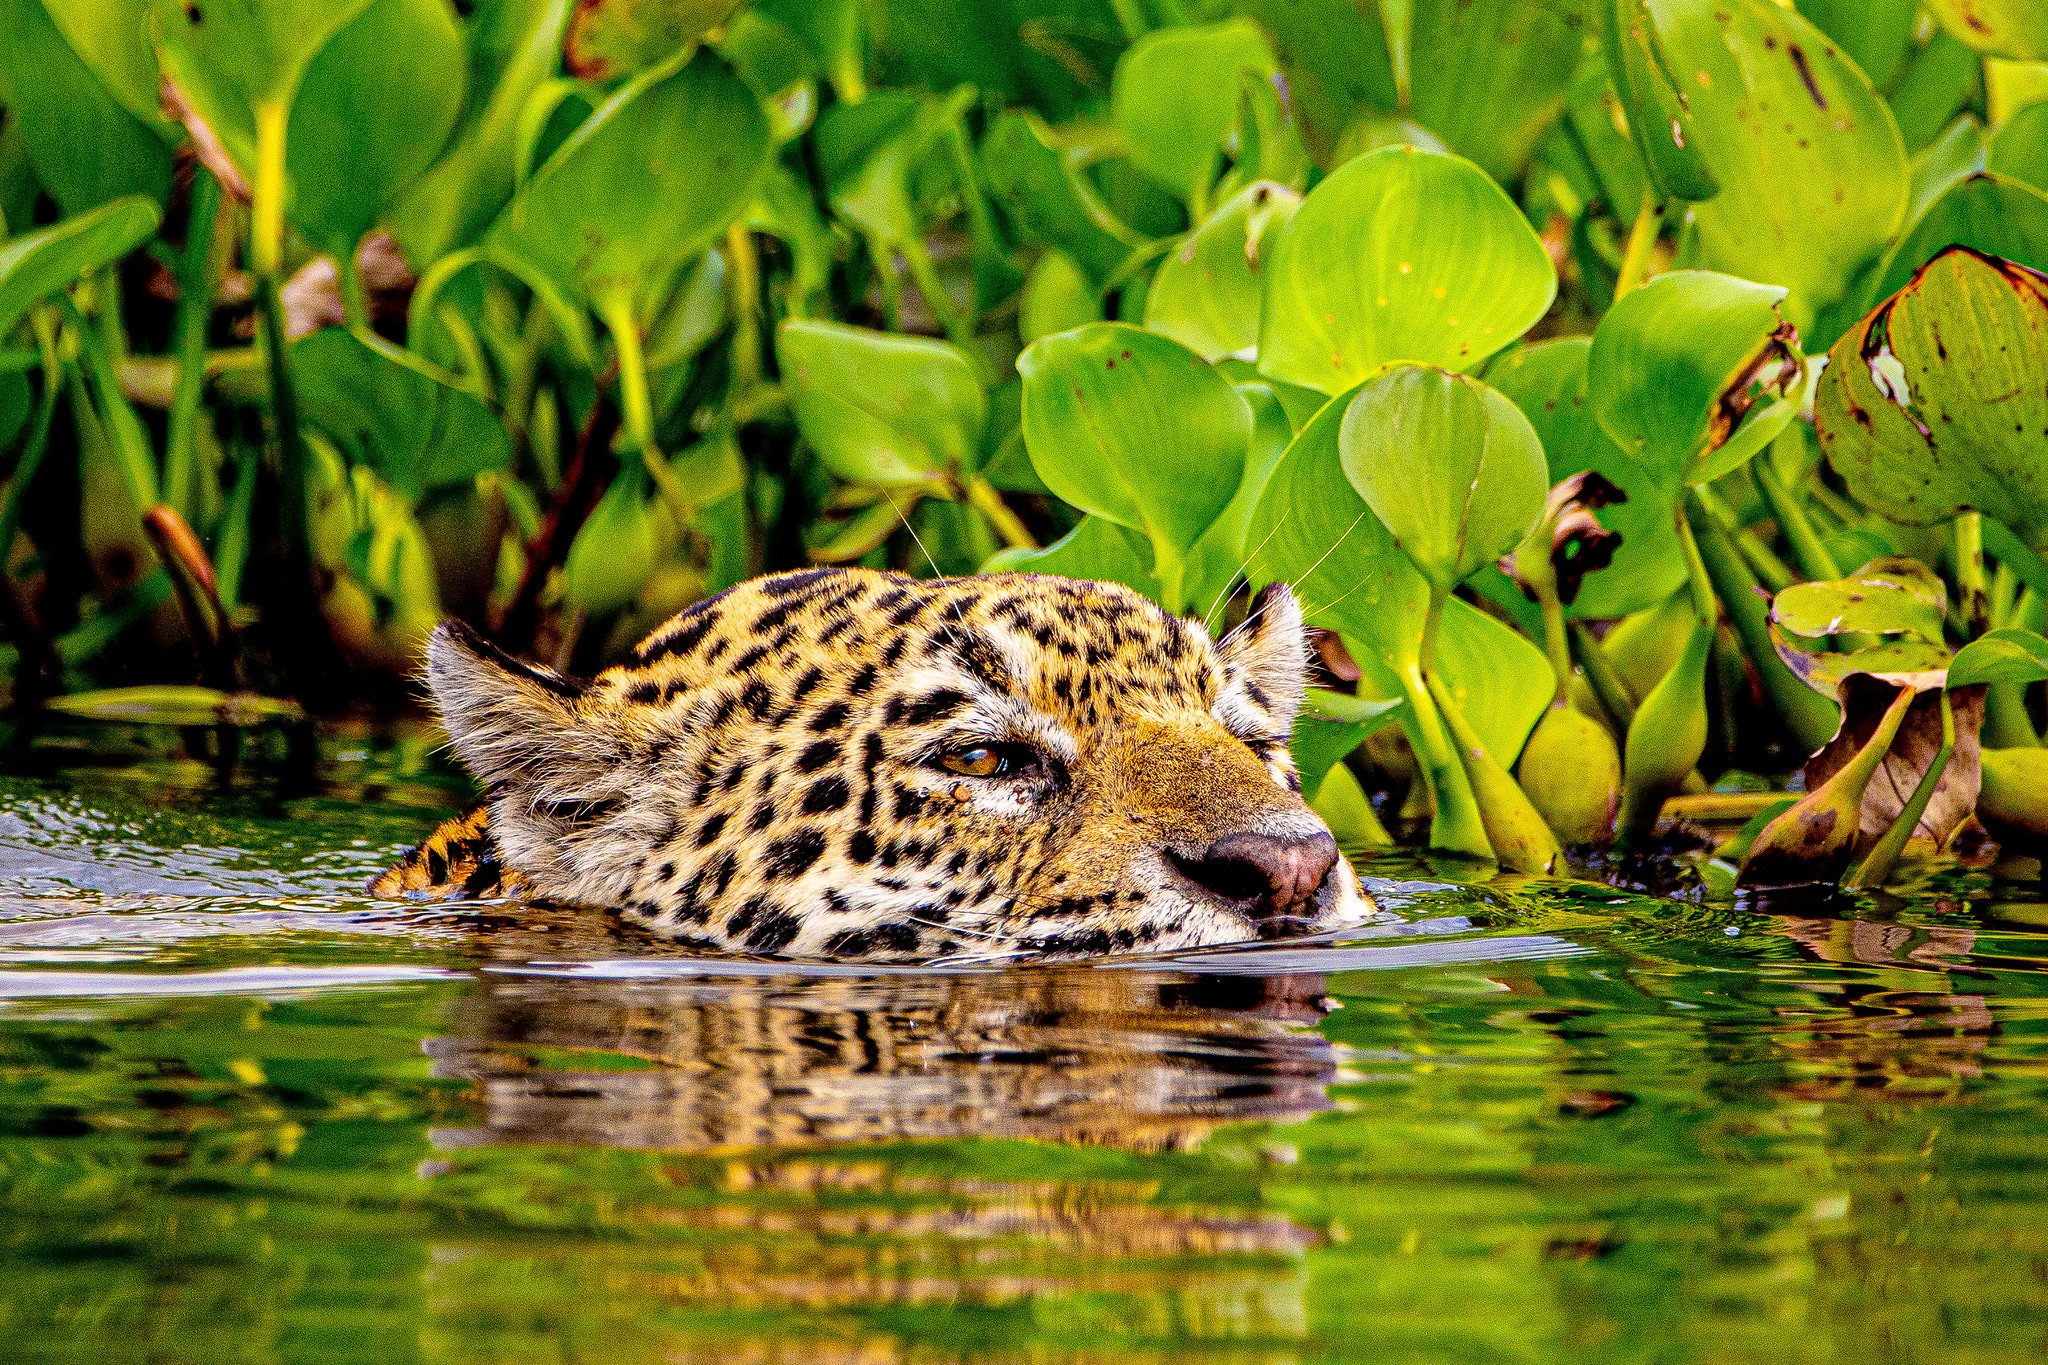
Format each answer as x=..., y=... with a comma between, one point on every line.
x=1270, y=876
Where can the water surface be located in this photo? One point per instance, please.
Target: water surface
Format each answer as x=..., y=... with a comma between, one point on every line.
x=247, y=1114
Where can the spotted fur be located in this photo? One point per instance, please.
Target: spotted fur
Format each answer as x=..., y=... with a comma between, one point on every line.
x=764, y=774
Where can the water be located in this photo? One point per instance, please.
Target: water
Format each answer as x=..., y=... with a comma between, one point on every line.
x=247, y=1115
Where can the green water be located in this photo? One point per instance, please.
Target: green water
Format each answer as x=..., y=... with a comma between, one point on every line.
x=247, y=1115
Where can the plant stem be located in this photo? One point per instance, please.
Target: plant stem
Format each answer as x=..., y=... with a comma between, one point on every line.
x=1762, y=562
x=1799, y=530
x=195, y=313
x=1642, y=239
x=124, y=428
x=1811, y=717
x=31, y=457
x=637, y=402
x=1607, y=684
x=355, y=296
x=746, y=307
x=1884, y=855
x=1703, y=602
x=266, y=192
x=1457, y=827
x=983, y=498
x=1970, y=581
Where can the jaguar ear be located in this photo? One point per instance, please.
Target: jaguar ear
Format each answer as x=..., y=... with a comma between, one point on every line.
x=514, y=725
x=1265, y=660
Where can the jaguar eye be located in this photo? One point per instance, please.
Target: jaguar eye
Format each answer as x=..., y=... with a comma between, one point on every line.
x=987, y=760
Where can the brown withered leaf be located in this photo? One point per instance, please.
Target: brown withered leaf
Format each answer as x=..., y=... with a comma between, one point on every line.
x=206, y=144
x=1863, y=702
x=1579, y=544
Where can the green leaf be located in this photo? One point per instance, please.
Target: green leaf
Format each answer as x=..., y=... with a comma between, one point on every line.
x=2003, y=656
x=611, y=39
x=1400, y=255
x=1096, y=548
x=251, y=51
x=1489, y=76
x=1221, y=554
x=1057, y=298
x=1934, y=403
x=1032, y=176
x=388, y=411
x=613, y=554
x=653, y=178
x=1547, y=381
x=1877, y=35
x=1500, y=682
x=1449, y=465
x=1175, y=95
x=1811, y=166
x=1206, y=292
x=1987, y=213
x=86, y=147
x=2003, y=28
x=37, y=264
x=1889, y=596
x=882, y=409
x=1138, y=429
x=1334, y=55
x=175, y=705
x=2019, y=149
x=375, y=107
x=1331, y=725
x=1693, y=373
x=1654, y=99
x=112, y=38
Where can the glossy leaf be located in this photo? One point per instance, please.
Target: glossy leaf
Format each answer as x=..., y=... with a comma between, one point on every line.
x=692, y=142
x=87, y=147
x=1654, y=98
x=371, y=114
x=2003, y=28
x=611, y=39
x=1692, y=374
x=613, y=554
x=1207, y=290
x=1891, y=596
x=387, y=411
x=1400, y=255
x=1176, y=97
x=251, y=51
x=1138, y=429
x=1572, y=772
x=1448, y=465
x=1988, y=213
x=1096, y=548
x=1548, y=382
x=882, y=409
x=2003, y=656
x=1057, y=298
x=1934, y=402
x=1032, y=177
x=2019, y=149
x=37, y=264
x=1490, y=76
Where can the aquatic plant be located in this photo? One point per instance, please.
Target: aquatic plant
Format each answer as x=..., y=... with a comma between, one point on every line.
x=1632, y=393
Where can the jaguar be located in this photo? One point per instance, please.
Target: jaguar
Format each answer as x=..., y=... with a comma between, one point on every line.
x=844, y=763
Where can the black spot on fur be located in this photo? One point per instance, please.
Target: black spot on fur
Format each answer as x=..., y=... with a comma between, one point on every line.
x=831, y=718
x=928, y=708
x=795, y=584
x=775, y=930
x=745, y=663
x=863, y=682
x=764, y=816
x=758, y=700
x=861, y=849
x=793, y=856
x=712, y=827
x=909, y=802
x=817, y=754
x=826, y=794
x=644, y=693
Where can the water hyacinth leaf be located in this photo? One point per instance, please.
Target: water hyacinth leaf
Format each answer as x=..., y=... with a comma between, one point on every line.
x=1175, y=95
x=1666, y=740
x=880, y=408
x=86, y=146
x=1499, y=681
x=1659, y=114
x=1814, y=840
x=253, y=52
x=513, y=46
x=1905, y=662
x=1096, y=548
x=1889, y=596
x=171, y=704
x=1057, y=298
x=1876, y=34
x=2003, y=28
x=1547, y=381
x=1449, y=465
x=2003, y=656
x=1693, y=373
x=1334, y=56
x=1521, y=841
x=1400, y=255
x=1811, y=167
x=1907, y=758
x=694, y=145
x=37, y=264
x=1933, y=403
x=2012, y=796
x=1029, y=172
x=1221, y=554
x=1206, y=292
x=1572, y=772
x=614, y=552
x=112, y=38
x=373, y=110
x=391, y=413
x=1990, y=214
x=611, y=39
x=1331, y=725
x=1138, y=429
x=2019, y=149
x=1489, y=76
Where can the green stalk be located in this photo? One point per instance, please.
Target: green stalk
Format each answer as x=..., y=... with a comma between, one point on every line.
x=31, y=458
x=1457, y=826
x=355, y=296
x=266, y=191
x=1766, y=565
x=746, y=307
x=195, y=312
x=983, y=498
x=1814, y=839
x=1601, y=677
x=1642, y=239
x=1520, y=839
x=1703, y=603
x=131, y=442
x=1811, y=717
x=636, y=402
x=1884, y=855
x=1970, y=580
x=1799, y=530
